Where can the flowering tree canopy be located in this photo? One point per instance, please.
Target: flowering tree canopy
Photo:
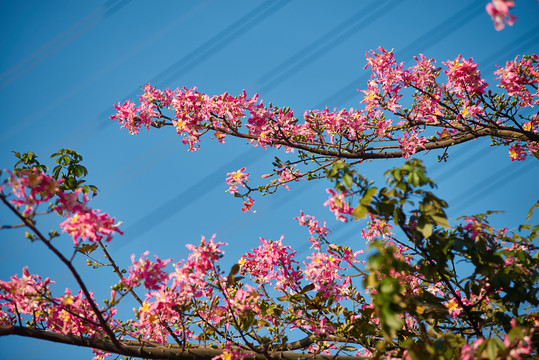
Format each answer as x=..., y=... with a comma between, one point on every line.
x=427, y=288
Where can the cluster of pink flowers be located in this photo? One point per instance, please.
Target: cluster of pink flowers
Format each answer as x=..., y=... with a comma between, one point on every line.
x=515, y=77
x=314, y=227
x=189, y=277
x=195, y=113
x=150, y=272
x=475, y=226
x=410, y=142
x=463, y=78
x=453, y=306
x=65, y=317
x=288, y=174
x=30, y=295
x=377, y=228
x=516, y=345
x=272, y=261
x=32, y=188
x=90, y=225
x=25, y=295
x=190, y=280
x=231, y=354
x=520, y=150
x=323, y=272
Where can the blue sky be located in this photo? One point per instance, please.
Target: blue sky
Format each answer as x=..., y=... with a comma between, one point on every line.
x=64, y=63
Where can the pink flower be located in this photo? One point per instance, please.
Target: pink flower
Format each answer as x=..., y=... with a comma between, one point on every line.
x=235, y=179
x=229, y=354
x=463, y=77
x=288, y=174
x=338, y=205
x=453, y=308
x=247, y=204
x=32, y=188
x=323, y=271
x=91, y=225
x=24, y=295
x=126, y=115
x=152, y=273
x=271, y=261
x=518, y=77
x=315, y=227
x=410, y=142
x=499, y=11
x=517, y=152
x=468, y=352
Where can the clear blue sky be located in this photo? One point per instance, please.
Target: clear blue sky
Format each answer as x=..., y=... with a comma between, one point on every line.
x=64, y=63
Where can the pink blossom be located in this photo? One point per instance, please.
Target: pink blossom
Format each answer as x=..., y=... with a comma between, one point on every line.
x=338, y=205
x=464, y=78
x=516, y=78
x=26, y=294
x=32, y=188
x=323, y=271
x=475, y=226
x=468, y=352
x=453, y=308
x=271, y=261
x=235, y=179
x=518, y=345
x=517, y=152
x=127, y=114
x=152, y=273
x=65, y=316
x=288, y=174
x=410, y=142
x=499, y=11
x=377, y=228
x=314, y=227
x=247, y=204
x=229, y=354
x=91, y=225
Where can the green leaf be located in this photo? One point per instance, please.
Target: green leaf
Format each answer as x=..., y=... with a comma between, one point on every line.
x=492, y=349
x=425, y=229
x=86, y=248
x=359, y=212
x=367, y=198
x=347, y=180
x=530, y=213
x=307, y=288
x=440, y=219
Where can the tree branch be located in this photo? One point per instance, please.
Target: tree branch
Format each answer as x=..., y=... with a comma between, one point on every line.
x=153, y=351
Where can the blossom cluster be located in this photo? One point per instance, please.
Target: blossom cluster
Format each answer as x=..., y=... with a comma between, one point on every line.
x=32, y=188
x=196, y=113
x=30, y=295
x=272, y=261
x=150, y=272
x=456, y=108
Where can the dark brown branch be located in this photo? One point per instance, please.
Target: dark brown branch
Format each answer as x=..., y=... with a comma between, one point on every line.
x=152, y=351
x=372, y=153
